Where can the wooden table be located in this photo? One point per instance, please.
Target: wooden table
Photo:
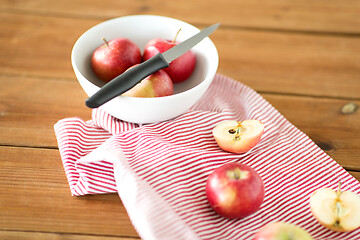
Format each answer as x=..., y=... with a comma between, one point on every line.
x=302, y=56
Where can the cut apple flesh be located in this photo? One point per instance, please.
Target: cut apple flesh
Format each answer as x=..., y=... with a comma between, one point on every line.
x=238, y=137
x=339, y=211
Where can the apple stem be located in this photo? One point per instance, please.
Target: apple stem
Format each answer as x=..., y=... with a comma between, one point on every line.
x=174, y=40
x=237, y=135
x=338, y=205
x=106, y=42
x=338, y=193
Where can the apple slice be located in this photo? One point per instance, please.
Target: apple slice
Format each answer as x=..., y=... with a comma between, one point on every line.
x=238, y=137
x=336, y=210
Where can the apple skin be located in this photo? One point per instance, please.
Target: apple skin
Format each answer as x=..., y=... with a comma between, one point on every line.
x=181, y=68
x=112, y=59
x=282, y=231
x=157, y=84
x=250, y=134
x=235, y=190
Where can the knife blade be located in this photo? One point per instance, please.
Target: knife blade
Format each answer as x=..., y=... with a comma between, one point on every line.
x=133, y=76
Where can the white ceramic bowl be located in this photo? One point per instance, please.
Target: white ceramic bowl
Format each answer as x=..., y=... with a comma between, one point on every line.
x=140, y=29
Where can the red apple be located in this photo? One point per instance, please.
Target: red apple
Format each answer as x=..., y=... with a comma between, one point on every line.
x=235, y=190
x=113, y=58
x=238, y=137
x=181, y=68
x=282, y=231
x=157, y=84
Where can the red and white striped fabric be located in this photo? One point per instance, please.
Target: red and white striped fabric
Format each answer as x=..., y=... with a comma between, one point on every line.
x=159, y=170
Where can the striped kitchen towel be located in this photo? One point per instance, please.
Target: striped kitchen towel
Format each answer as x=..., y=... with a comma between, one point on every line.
x=159, y=170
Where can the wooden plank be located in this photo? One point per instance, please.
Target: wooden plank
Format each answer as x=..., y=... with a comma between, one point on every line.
x=267, y=61
x=40, y=46
x=320, y=16
x=35, y=196
x=26, y=120
x=291, y=63
x=322, y=120
x=19, y=235
x=355, y=174
x=30, y=107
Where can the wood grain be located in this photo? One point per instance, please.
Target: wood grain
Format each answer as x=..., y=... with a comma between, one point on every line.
x=35, y=196
x=291, y=63
x=302, y=56
x=26, y=120
x=39, y=45
x=18, y=235
x=355, y=174
x=30, y=107
x=336, y=16
x=321, y=119
x=266, y=61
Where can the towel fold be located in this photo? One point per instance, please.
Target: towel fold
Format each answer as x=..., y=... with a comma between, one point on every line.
x=159, y=170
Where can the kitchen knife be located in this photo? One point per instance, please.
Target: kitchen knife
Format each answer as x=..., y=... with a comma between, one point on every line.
x=131, y=77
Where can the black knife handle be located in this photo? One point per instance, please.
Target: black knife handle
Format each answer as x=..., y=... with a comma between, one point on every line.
x=126, y=81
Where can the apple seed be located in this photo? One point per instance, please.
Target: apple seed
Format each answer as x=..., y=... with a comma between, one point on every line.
x=237, y=131
x=232, y=131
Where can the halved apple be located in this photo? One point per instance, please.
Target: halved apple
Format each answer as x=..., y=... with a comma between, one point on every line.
x=238, y=137
x=336, y=210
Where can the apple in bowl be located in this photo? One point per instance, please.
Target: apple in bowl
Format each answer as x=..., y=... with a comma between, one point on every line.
x=148, y=27
x=235, y=190
x=114, y=57
x=238, y=137
x=158, y=84
x=181, y=68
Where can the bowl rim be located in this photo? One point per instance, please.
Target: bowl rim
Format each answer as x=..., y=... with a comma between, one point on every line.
x=209, y=74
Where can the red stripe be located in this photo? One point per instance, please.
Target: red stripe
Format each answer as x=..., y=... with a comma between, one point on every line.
x=175, y=158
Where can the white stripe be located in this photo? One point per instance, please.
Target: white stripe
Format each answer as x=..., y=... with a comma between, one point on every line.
x=175, y=157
